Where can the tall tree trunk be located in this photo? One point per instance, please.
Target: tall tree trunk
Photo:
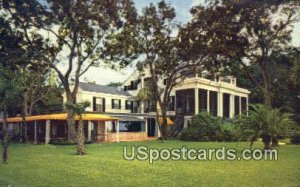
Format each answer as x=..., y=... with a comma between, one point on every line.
x=30, y=111
x=159, y=125
x=5, y=134
x=71, y=120
x=267, y=141
x=267, y=98
x=164, y=125
x=275, y=141
x=24, y=115
x=80, y=139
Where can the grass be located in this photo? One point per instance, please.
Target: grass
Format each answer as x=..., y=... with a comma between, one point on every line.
x=49, y=165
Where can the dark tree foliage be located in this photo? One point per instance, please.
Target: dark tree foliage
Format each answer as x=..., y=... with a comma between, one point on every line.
x=161, y=46
x=248, y=35
x=71, y=32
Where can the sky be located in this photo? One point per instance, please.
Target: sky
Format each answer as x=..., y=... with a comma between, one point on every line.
x=102, y=75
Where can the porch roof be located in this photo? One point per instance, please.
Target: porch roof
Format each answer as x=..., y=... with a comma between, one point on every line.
x=62, y=116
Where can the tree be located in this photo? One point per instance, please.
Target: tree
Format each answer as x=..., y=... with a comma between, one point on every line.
x=285, y=75
x=115, y=84
x=70, y=31
x=79, y=110
x=267, y=124
x=251, y=34
x=155, y=40
x=8, y=93
x=11, y=56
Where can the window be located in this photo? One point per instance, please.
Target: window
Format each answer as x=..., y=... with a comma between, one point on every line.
x=116, y=103
x=135, y=106
x=203, y=100
x=128, y=105
x=226, y=105
x=131, y=126
x=171, y=106
x=213, y=103
x=236, y=105
x=244, y=104
x=185, y=101
x=98, y=104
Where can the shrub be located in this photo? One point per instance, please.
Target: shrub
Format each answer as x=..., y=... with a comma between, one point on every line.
x=190, y=134
x=295, y=139
x=205, y=127
x=228, y=133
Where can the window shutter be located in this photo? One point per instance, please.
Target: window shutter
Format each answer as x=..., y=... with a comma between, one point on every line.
x=94, y=104
x=112, y=103
x=119, y=103
x=103, y=103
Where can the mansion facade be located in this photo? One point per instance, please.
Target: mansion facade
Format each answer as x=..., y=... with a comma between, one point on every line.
x=219, y=96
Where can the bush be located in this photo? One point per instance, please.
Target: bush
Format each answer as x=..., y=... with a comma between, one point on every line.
x=205, y=127
x=228, y=133
x=295, y=139
x=190, y=134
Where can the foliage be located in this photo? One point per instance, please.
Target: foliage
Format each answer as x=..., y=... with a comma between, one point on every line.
x=246, y=35
x=266, y=123
x=115, y=84
x=9, y=93
x=162, y=51
x=76, y=34
x=295, y=138
x=205, y=127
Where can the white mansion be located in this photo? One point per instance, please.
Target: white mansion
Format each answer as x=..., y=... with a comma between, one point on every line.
x=219, y=96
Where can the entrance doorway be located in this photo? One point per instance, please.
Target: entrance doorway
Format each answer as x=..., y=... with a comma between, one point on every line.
x=151, y=127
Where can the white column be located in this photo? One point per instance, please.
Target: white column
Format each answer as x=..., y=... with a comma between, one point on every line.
x=146, y=126
x=231, y=106
x=247, y=105
x=118, y=131
x=185, y=123
x=208, y=109
x=142, y=102
x=90, y=124
x=47, y=131
x=220, y=104
x=196, y=101
x=240, y=105
x=35, y=132
x=105, y=131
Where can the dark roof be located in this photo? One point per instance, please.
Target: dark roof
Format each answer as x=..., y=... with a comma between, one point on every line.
x=103, y=89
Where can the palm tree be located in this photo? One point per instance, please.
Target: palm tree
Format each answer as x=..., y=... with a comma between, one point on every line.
x=282, y=122
x=79, y=109
x=267, y=124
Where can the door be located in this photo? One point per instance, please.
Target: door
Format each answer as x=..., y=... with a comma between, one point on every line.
x=151, y=127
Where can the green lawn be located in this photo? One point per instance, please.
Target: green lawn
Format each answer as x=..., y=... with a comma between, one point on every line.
x=49, y=165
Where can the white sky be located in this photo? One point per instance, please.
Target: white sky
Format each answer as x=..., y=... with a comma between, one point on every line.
x=102, y=75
